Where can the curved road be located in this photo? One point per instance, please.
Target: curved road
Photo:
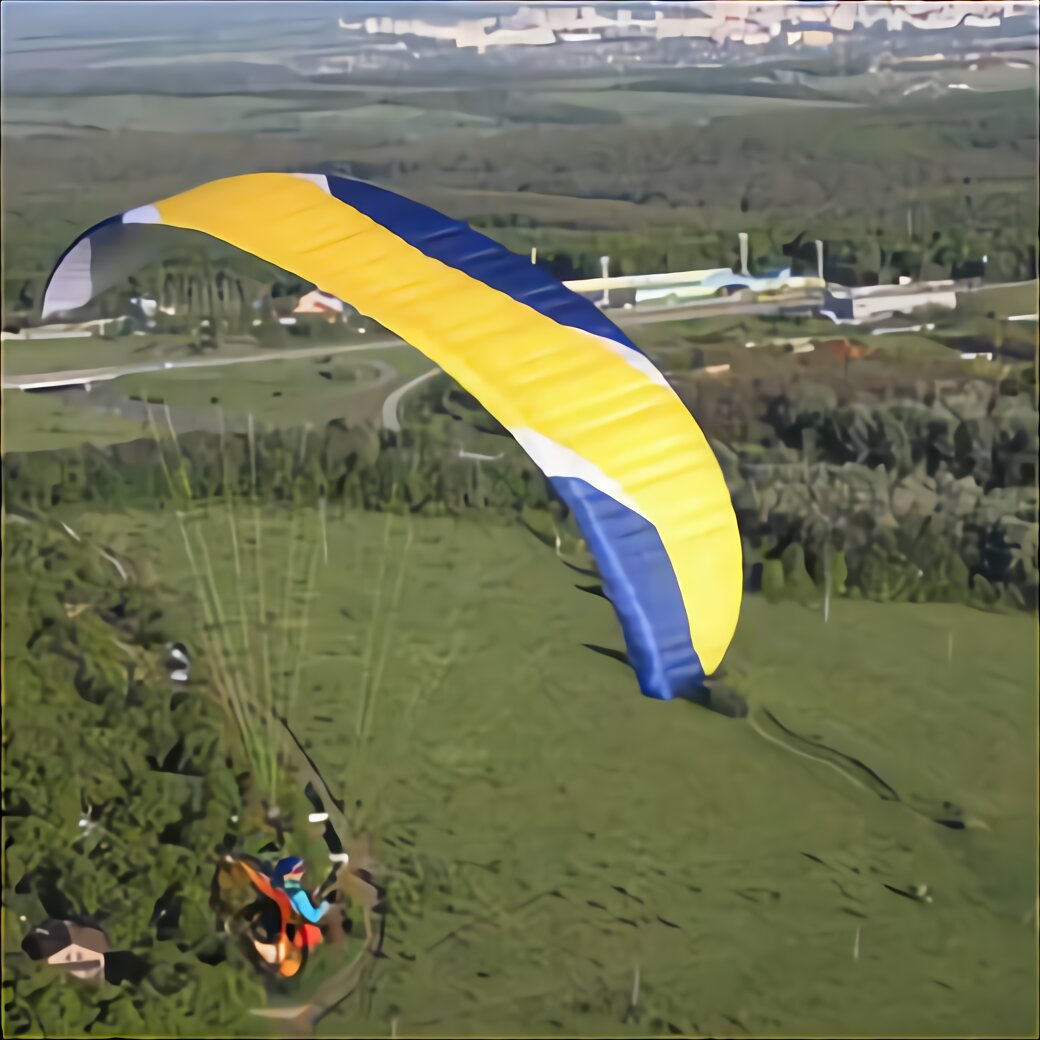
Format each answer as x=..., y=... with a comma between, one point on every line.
x=390, y=419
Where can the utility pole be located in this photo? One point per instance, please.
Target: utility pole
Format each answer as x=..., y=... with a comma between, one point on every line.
x=534, y=254
x=819, y=259
x=743, y=252
x=604, y=264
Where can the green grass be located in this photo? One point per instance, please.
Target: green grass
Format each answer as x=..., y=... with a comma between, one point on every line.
x=322, y=112
x=40, y=422
x=277, y=392
x=26, y=357
x=669, y=107
x=1002, y=301
x=302, y=393
x=156, y=112
x=906, y=347
x=545, y=831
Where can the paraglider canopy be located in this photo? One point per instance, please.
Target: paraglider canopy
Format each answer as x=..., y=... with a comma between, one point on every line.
x=590, y=409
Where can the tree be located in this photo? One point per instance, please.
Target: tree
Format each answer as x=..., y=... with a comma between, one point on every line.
x=117, y=796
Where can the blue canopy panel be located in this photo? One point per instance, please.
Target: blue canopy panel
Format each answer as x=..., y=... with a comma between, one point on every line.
x=458, y=245
x=640, y=582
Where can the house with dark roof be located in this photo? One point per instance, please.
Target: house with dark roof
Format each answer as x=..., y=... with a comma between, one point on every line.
x=78, y=949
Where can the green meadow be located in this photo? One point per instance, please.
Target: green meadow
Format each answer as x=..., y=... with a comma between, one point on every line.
x=554, y=845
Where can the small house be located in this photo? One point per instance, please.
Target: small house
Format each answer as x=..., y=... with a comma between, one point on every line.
x=320, y=304
x=78, y=949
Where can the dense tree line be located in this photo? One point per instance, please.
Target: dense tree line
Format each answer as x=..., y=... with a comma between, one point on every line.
x=943, y=491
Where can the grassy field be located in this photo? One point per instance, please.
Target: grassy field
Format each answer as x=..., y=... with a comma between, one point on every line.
x=667, y=107
x=1000, y=300
x=40, y=422
x=277, y=393
x=129, y=112
x=25, y=357
x=283, y=392
x=22, y=357
x=553, y=842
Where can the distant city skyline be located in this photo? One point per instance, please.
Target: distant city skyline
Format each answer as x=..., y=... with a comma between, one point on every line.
x=49, y=47
x=749, y=23
x=36, y=20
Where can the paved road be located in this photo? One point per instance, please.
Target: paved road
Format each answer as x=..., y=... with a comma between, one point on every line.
x=83, y=376
x=390, y=419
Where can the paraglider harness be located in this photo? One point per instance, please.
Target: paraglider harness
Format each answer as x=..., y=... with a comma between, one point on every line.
x=271, y=931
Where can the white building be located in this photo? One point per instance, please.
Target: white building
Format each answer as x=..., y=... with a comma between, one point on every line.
x=880, y=301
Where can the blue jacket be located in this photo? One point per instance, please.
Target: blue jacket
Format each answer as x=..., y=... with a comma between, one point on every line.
x=303, y=905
